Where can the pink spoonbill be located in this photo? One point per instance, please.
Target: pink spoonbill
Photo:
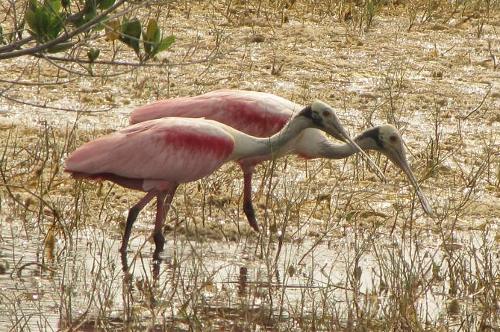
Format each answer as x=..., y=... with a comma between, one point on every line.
x=156, y=156
x=263, y=114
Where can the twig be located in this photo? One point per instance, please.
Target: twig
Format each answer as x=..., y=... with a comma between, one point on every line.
x=52, y=107
x=80, y=73
x=15, y=45
x=479, y=106
x=318, y=241
x=42, y=266
x=35, y=83
x=130, y=64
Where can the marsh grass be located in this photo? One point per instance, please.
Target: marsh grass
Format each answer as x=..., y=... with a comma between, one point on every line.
x=338, y=250
x=323, y=261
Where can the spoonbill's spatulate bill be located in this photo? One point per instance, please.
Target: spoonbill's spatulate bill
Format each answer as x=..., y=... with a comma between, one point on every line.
x=156, y=156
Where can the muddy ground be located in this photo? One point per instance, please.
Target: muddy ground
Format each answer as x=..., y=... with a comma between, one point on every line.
x=340, y=250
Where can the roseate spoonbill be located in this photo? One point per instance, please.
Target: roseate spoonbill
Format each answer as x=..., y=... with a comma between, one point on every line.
x=156, y=156
x=263, y=114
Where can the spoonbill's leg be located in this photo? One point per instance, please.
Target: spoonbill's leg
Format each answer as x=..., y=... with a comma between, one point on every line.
x=132, y=216
x=247, y=199
x=163, y=201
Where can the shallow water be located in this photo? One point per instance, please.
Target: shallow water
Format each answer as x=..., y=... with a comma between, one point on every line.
x=228, y=281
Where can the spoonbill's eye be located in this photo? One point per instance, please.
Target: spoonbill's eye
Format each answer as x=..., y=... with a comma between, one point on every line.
x=326, y=114
x=393, y=138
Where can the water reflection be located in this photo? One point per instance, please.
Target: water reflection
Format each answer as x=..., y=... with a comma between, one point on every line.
x=242, y=282
x=87, y=285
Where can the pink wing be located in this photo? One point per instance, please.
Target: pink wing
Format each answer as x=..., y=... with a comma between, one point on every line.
x=174, y=150
x=255, y=113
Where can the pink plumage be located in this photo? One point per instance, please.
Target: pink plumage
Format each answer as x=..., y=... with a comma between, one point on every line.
x=156, y=156
x=255, y=113
x=173, y=150
x=263, y=114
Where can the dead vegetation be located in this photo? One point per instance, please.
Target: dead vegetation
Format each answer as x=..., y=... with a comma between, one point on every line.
x=340, y=250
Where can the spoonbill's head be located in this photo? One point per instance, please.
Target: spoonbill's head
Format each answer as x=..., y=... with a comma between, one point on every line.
x=387, y=140
x=322, y=116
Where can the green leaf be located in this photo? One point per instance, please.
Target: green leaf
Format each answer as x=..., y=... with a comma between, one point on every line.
x=164, y=44
x=89, y=15
x=32, y=18
x=29, y=17
x=45, y=21
x=54, y=6
x=131, y=33
x=112, y=30
x=90, y=6
x=105, y=4
x=90, y=10
x=2, y=39
x=54, y=26
x=93, y=53
x=33, y=4
x=152, y=37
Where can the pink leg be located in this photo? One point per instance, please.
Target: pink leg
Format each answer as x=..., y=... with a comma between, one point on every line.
x=163, y=201
x=247, y=199
x=132, y=216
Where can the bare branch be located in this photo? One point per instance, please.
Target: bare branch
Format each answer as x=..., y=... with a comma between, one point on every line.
x=480, y=104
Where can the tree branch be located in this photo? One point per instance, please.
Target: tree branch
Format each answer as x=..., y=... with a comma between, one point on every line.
x=15, y=45
x=64, y=37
